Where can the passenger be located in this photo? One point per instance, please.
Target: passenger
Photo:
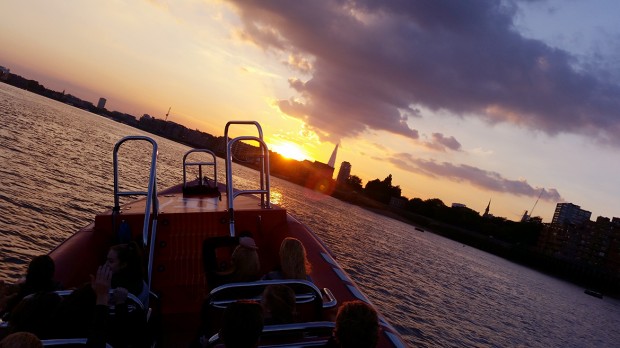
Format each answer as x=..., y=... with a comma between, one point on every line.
x=39, y=278
x=125, y=262
x=357, y=326
x=245, y=263
x=21, y=340
x=35, y=313
x=100, y=284
x=278, y=301
x=86, y=313
x=293, y=261
x=242, y=325
x=72, y=320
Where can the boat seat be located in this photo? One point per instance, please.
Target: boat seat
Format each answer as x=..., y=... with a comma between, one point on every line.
x=309, y=300
x=67, y=343
x=309, y=334
x=133, y=302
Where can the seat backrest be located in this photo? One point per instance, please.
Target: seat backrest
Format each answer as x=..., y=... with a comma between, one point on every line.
x=308, y=298
x=309, y=334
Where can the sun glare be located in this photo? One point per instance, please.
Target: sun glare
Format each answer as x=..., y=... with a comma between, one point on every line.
x=290, y=150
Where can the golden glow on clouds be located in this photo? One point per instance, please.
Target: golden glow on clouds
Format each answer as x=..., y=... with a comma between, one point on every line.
x=145, y=56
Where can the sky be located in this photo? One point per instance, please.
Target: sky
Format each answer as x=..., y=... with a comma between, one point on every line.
x=516, y=103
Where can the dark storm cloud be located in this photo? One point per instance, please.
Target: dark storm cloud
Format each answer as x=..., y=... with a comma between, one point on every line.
x=373, y=62
x=475, y=176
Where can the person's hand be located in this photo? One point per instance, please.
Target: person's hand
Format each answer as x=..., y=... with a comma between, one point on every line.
x=101, y=284
x=119, y=295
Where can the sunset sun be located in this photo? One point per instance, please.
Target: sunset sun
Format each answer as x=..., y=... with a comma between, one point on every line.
x=290, y=150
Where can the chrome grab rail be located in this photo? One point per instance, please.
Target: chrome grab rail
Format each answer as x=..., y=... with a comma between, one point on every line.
x=217, y=297
x=331, y=299
x=68, y=341
x=199, y=164
x=130, y=296
x=151, y=199
x=287, y=329
x=264, y=190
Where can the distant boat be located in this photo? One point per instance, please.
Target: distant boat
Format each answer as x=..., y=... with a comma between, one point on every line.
x=593, y=293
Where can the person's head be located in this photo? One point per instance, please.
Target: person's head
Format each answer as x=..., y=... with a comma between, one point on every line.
x=40, y=274
x=278, y=302
x=357, y=325
x=293, y=259
x=246, y=263
x=242, y=324
x=21, y=340
x=125, y=257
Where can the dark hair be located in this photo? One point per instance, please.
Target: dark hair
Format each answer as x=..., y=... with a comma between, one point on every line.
x=242, y=324
x=131, y=276
x=40, y=276
x=357, y=325
x=278, y=300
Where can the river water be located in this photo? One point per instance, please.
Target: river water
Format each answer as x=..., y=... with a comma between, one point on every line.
x=56, y=173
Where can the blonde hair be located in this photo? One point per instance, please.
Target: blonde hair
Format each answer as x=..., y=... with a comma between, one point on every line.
x=246, y=264
x=293, y=259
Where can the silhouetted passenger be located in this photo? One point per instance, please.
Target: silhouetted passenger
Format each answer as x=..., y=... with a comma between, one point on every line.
x=293, y=261
x=357, y=326
x=39, y=278
x=125, y=262
x=278, y=301
x=87, y=312
x=242, y=325
x=245, y=265
x=21, y=340
x=99, y=325
x=34, y=313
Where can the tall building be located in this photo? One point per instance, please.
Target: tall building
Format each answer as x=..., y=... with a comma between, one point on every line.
x=101, y=103
x=344, y=172
x=569, y=213
x=486, y=211
x=332, y=159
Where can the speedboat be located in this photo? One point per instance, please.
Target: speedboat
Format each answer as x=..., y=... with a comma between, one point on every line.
x=189, y=229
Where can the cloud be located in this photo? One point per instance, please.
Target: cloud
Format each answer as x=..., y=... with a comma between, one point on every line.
x=441, y=143
x=372, y=62
x=483, y=179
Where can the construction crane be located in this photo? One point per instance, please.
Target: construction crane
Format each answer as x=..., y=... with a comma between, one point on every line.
x=168, y=113
x=541, y=192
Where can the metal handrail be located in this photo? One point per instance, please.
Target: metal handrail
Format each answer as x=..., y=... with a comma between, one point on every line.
x=232, y=194
x=199, y=164
x=264, y=189
x=67, y=341
x=130, y=296
x=285, y=329
x=218, y=299
x=151, y=199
